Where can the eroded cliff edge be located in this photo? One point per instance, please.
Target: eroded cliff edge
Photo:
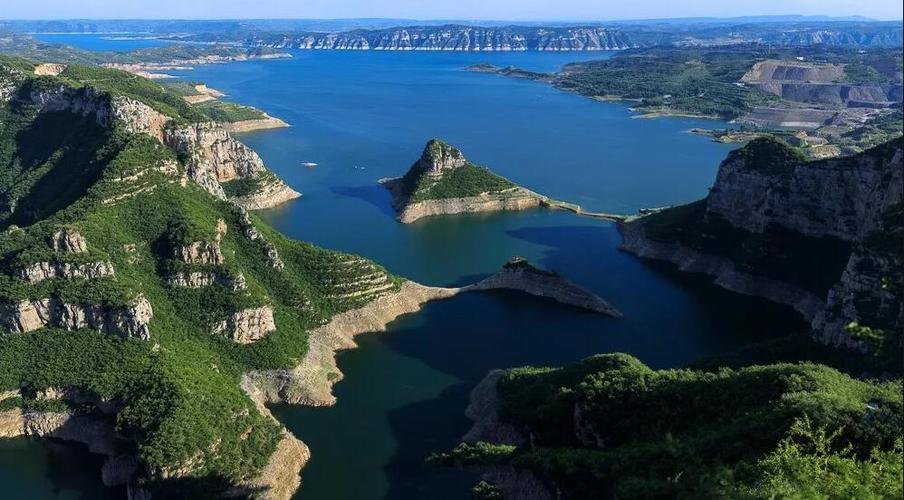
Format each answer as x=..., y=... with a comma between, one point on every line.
x=824, y=237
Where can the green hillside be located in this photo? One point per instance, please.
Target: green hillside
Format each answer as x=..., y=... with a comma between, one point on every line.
x=610, y=427
x=126, y=196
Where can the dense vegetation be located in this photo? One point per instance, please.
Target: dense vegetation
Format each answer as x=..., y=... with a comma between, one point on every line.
x=25, y=46
x=226, y=112
x=179, y=391
x=704, y=81
x=611, y=427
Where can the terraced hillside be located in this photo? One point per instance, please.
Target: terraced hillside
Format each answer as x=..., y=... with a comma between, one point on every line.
x=134, y=294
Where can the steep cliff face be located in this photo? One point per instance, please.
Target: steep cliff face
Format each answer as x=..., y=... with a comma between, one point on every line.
x=822, y=236
x=764, y=184
x=211, y=155
x=128, y=321
x=456, y=38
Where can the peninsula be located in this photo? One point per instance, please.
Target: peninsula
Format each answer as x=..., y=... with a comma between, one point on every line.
x=444, y=182
x=519, y=274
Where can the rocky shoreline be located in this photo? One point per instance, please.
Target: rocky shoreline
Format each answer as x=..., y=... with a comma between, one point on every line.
x=310, y=383
x=487, y=426
x=513, y=199
x=269, y=196
x=519, y=275
x=266, y=123
x=726, y=273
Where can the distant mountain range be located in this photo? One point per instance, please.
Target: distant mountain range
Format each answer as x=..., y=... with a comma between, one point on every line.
x=403, y=34
x=455, y=38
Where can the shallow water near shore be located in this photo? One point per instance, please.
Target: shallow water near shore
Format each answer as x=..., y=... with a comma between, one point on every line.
x=363, y=116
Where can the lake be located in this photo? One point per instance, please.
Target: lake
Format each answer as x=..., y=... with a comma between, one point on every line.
x=362, y=116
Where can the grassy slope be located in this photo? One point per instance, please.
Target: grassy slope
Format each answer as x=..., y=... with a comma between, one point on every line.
x=180, y=390
x=752, y=432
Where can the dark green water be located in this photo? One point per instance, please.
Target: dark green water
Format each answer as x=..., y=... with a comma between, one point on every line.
x=363, y=116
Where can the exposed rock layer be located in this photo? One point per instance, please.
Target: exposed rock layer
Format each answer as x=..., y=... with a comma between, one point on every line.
x=456, y=38
x=130, y=321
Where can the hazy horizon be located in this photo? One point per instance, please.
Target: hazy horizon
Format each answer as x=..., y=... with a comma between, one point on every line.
x=465, y=10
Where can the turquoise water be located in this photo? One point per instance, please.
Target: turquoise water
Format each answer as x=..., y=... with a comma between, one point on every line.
x=363, y=116
x=102, y=42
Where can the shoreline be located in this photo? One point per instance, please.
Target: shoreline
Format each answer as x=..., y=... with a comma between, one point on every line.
x=266, y=123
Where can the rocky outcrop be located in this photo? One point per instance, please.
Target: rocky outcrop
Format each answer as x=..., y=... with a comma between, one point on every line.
x=488, y=426
x=855, y=199
x=483, y=412
x=213, y=157
x=269, y=195
x=248, y=325
x=870, y=293
x=843, y=197
x=201, y=279
x=68, y=241
x=311, y=382
x=249, y=231
x=198, y=252
x=456, y=38
x=437, y=164
x=84, y=101
x=519, y=275
x=40, y=271
x=130, y=321
x=139, y=118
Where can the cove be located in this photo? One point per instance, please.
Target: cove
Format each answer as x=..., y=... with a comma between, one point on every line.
x=363, y=116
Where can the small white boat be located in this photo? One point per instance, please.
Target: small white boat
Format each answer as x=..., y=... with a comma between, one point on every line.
x=309, y=164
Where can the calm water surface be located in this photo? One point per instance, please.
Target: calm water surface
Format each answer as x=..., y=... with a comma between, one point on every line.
x=364, y=116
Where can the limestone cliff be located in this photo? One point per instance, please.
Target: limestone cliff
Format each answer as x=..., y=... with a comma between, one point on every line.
x=456, y=38
x=212, y=156
x=128, y=321
x=248, y=325
x=822, y=236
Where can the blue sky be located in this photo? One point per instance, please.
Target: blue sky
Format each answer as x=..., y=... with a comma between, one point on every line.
x=427, y=9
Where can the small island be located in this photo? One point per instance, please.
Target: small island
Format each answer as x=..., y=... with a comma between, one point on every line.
x=444, y=182
x=519, y=274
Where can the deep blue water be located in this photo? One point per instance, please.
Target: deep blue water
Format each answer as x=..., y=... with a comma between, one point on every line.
x=363, y=116
x=103, y=41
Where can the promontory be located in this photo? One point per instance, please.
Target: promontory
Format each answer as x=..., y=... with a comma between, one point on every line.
x=444, y=182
